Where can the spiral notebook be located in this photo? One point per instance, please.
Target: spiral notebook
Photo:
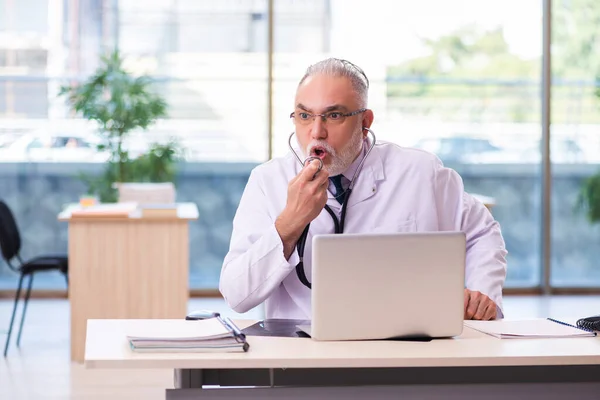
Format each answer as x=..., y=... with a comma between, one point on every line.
x=533, y=329
x=177, y=336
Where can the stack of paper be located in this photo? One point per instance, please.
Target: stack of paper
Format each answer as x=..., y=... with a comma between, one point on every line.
x=160, y=210
x=146, y=192
x=209, y=335
x=534, y=329
x=105, y=210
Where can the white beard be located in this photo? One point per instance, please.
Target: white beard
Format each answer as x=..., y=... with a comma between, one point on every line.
x=342, y=160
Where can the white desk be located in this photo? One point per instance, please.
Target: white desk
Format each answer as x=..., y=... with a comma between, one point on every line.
x=471, y=366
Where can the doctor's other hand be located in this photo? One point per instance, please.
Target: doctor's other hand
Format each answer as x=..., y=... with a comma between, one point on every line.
x=478, y=306
x=306, y=198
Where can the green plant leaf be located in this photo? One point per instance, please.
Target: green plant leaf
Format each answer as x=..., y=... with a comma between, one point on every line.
x=588, y=199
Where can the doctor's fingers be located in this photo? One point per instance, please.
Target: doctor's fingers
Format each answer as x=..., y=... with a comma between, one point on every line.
x=322, y=178
x=491, y=311
x=318, y=186
x=467, y=299
x=319, y=179
x=311, y=187
x=472, y=305
x=483, y=309
x=308, y=172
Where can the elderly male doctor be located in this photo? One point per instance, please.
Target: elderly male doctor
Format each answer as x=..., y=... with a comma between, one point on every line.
x=397, y=190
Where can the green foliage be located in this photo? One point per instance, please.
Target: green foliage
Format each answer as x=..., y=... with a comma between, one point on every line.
x=575, y=38
x=575, y=44
x=475, y=54
x=589, y=198
x=469, y=53
x=121, y=103
x=157, y=165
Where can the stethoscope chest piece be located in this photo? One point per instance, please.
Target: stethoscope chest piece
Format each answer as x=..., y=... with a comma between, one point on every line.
x=309, y=160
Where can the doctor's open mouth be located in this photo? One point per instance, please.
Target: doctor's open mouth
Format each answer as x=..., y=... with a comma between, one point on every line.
x=319, y=152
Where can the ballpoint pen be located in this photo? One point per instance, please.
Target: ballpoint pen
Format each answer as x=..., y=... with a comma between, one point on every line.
x=236, y=331
x=228, y=323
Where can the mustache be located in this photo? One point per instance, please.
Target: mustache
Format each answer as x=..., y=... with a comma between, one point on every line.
x=320, y=143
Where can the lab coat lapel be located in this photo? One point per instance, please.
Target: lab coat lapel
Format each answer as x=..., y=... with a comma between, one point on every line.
x=366, y=181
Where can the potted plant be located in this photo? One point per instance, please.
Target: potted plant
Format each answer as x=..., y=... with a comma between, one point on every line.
x=120, y=103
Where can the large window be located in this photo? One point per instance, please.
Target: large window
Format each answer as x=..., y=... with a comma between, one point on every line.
x=209, y=62
x=461, y=79
x=575, y=139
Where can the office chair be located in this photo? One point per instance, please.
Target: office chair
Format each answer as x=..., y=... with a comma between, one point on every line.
x=10, y=245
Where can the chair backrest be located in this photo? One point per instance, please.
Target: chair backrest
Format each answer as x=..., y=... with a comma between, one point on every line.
x=10, y=239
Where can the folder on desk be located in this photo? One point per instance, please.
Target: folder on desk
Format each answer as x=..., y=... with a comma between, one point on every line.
x=181, y=336
x=532, y=329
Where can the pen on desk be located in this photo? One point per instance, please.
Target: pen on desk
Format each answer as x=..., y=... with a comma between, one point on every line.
x=228, y=323
x=234, y=328
x=223, y=322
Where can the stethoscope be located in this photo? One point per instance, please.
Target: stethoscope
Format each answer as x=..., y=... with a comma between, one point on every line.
x=339, y=224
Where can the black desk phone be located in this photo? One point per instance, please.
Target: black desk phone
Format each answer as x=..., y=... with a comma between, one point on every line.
x=590, y=323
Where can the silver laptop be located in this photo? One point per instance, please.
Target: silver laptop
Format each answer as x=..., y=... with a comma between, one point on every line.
x=381, y=286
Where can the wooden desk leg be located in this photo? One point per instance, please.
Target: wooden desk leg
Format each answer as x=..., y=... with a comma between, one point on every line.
x=126, y=269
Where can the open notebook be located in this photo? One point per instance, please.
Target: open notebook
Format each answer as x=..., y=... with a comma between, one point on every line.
x=208, y=335
x=533, y=329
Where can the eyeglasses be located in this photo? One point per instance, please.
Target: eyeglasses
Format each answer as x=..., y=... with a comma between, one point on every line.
x=332, y=117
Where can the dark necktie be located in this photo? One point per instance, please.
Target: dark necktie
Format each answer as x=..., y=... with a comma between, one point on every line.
x=339, y=189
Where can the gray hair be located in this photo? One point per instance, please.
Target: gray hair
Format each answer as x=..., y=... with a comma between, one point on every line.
x=342, y=68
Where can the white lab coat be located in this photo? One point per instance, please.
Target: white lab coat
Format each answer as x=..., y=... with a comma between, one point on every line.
x=398, y=190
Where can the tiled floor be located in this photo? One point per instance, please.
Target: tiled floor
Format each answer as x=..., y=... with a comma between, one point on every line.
x=41, y=368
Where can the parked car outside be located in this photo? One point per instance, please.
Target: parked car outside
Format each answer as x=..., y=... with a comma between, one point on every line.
x=53, y=147
x=455, y=149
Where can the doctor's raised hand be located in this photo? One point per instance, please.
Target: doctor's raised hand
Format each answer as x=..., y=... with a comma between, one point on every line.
x=305, y=200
